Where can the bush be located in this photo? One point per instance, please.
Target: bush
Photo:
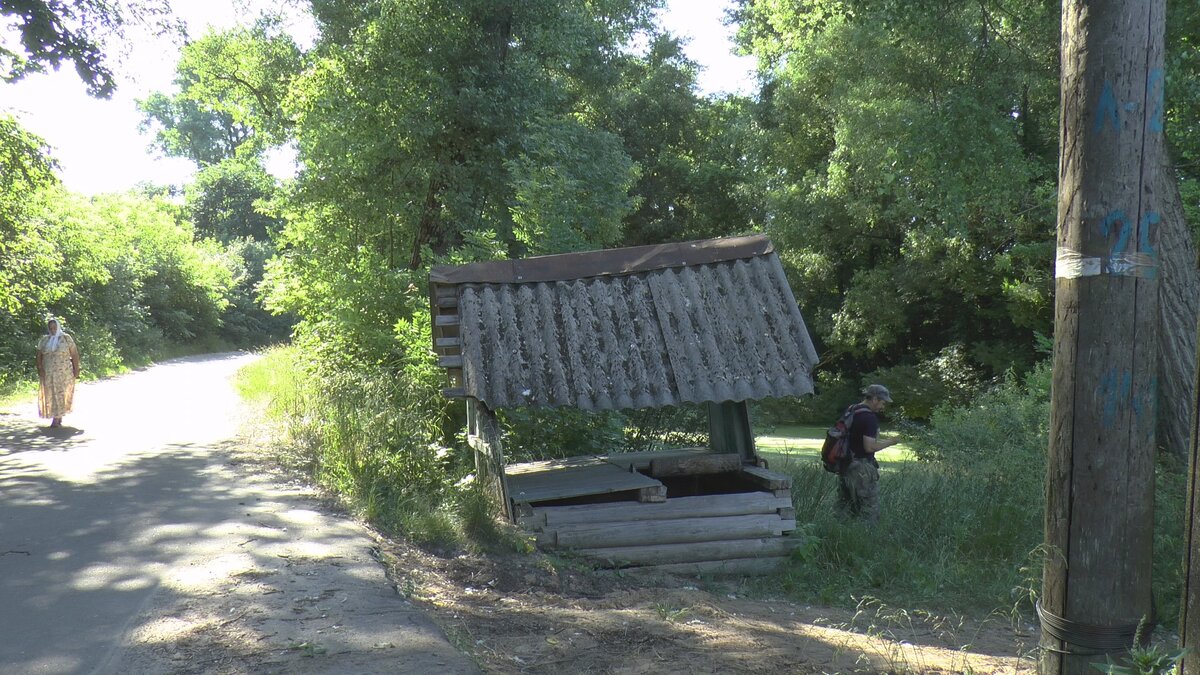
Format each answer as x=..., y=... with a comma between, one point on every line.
x=956, y=526
x=962, y=527
x=540, y=433
x=920, y=388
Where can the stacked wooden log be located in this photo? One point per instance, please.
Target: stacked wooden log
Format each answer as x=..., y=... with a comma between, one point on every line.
x=738, y=533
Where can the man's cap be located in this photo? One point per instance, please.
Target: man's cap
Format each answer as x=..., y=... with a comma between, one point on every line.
x=878, y=391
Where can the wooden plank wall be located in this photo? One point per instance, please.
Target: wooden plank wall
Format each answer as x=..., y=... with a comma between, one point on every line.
x=741, y=533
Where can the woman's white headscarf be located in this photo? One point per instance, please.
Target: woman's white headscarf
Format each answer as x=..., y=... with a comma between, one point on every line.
x=52, y=343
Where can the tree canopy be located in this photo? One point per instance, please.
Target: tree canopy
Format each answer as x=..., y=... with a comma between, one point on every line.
x=901, y=155
x=83, y=32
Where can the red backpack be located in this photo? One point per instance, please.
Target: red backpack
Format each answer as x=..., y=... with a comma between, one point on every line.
x=835, y=452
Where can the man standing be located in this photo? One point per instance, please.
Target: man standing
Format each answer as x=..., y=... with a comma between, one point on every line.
x=858, y=485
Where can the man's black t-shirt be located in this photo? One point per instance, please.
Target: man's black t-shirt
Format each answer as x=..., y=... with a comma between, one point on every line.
x=866, y=423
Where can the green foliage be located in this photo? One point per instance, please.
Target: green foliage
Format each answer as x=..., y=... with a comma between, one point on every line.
x=229, y=100
x=1144, y=659
x=228, y=200
x=962, y=527
x=692, y=151
x=535, y=433
x=538, y=434
x=1182, y=114
x=123, y=272
x=654, y=429
x=917, y=390
x=24, y=258
x=370, y=436
x=570, y=189
x=954, y=528
x=245, y=321
x=53, y=32
x=908, y=164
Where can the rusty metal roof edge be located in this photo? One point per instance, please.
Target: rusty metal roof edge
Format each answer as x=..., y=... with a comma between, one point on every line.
x=608, y=262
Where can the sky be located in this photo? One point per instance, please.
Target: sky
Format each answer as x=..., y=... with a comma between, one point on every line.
x=99, y=148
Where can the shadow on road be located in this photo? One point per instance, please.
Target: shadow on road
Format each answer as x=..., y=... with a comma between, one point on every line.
x=20, y=435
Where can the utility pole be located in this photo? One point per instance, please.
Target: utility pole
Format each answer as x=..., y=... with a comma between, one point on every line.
x=1100, y=468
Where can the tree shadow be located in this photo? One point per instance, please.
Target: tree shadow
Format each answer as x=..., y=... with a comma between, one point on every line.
x=22, y=435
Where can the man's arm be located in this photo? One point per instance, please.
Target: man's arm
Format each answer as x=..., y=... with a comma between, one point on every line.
x=874, y=445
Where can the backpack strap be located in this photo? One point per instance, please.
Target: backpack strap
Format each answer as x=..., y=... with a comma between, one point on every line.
x=853, y=411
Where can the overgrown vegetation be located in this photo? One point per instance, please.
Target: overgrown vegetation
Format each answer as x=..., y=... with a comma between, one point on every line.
x=127, y=275
x=961, y=528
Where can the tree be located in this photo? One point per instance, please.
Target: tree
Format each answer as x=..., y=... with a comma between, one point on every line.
x=425, y=126
x=907, y=163
x=226, y=201
x=690, y=150
x=187, y=128
x=28, y=168
x=231, y=89
x=54, y=31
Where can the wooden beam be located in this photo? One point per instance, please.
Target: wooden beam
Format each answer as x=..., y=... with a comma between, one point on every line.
x=716, y=568
x=767, y=479
x=652, y=494
x=448, y=342
x=447, y=301
x=454, y=392
x=450, y=361
x=695, y=465
x=662, y=554
x=679, y=531
x=640, y=461
x=706, y=506
x=446, y=320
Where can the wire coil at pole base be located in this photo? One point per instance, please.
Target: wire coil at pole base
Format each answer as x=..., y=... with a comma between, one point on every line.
x=1097, y=640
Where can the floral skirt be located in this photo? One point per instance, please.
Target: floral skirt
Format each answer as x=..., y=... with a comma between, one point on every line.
x=57, y=392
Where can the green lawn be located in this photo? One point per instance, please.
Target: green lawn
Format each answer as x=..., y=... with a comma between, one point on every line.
x=790, y=443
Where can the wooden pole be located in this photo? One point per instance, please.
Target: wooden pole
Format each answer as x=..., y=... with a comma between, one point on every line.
x=1189, y=619
x=1100, y=468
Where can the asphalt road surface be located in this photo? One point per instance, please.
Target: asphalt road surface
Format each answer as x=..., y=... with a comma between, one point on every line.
x=132, y=540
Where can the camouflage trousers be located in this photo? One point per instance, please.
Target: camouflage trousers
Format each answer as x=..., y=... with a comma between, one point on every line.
x=858, y=491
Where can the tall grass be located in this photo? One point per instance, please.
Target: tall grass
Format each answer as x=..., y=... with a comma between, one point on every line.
x=372, y=440
x=961, y=527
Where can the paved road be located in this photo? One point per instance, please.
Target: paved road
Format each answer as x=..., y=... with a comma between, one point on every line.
x=131, y=541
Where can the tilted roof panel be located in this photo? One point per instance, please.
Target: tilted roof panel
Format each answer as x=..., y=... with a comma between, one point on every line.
x=727, y=330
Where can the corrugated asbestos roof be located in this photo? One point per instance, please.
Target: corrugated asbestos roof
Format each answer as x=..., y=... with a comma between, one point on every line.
x=653, y=334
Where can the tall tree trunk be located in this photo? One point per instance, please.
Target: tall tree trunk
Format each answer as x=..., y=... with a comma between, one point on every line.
x=1179, y=309
x=428, y=224
x=1100, y=467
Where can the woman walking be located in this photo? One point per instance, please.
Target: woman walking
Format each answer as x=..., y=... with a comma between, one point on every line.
x=58, y=368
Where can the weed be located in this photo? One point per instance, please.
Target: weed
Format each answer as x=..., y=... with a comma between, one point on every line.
x=1151, y=659
x=672, y=614
x=308, y=649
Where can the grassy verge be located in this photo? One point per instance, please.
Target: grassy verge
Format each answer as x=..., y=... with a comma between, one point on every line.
x=373, y=441
x=960, y=527
x=962, y=513
x=17, y=393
